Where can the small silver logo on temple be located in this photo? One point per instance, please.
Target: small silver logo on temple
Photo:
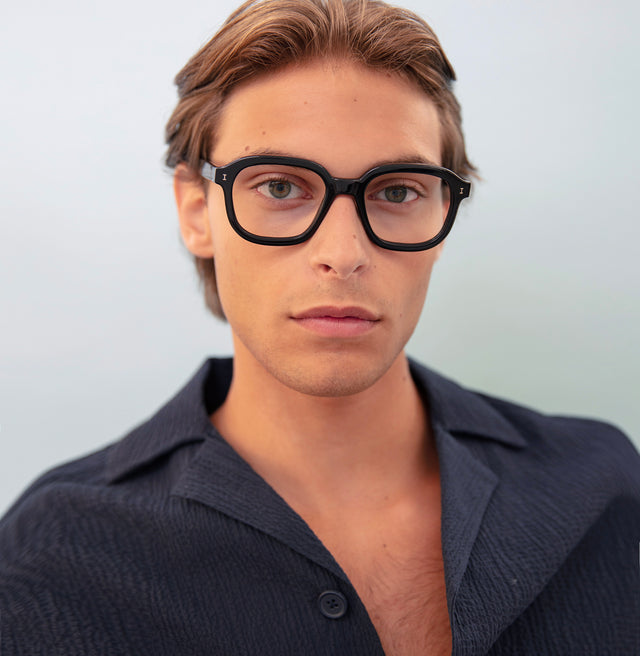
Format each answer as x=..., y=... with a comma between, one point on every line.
x=461, y=190
x=224, y=177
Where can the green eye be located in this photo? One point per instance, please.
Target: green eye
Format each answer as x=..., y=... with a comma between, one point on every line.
x=279, y=189
x=395, y=194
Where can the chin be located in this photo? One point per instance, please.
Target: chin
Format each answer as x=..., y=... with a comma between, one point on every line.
x=331, y=380
x=335, y=388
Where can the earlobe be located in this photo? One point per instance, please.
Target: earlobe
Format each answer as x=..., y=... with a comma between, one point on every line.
x=193, y=212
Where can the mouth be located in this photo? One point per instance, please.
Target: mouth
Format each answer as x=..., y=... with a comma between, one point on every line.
x=333, y=321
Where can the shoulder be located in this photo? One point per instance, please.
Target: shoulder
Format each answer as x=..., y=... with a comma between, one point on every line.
x=49, y=503
x=535, y=440
x=89, y=523
x=76, y=548
x=545, y=470
x=541, y=521
x=41, y=547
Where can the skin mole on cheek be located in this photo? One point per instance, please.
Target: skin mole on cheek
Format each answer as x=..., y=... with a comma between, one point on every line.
x=246, y=148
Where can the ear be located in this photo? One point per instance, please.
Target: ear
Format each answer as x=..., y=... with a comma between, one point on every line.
x=193, y=212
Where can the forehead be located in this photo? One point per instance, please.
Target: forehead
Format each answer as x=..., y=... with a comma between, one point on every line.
x=345, y=116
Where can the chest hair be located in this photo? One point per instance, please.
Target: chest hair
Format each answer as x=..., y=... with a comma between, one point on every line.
x=404, y=593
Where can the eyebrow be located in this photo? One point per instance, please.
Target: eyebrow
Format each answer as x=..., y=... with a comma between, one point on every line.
x=408, y=158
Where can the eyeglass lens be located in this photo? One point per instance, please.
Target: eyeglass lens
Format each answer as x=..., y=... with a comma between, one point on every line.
x=274, y=200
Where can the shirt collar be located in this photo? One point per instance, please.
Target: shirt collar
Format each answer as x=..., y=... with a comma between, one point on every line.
x=185, y=418
x=462, y=412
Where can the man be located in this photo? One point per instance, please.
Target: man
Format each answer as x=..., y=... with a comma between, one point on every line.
x=322, y=494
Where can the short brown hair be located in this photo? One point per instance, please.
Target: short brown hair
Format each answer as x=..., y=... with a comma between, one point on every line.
x=265, y=35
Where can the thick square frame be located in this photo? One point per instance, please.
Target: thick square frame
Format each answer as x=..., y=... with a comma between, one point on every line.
x=355, y=187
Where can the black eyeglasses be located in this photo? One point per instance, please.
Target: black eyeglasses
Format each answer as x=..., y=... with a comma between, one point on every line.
x=281, y=201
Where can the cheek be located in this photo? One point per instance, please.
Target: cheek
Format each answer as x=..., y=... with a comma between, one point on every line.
x=249, y=281
x=217, y=216
x=417, y=284
x=234, y=277
x=226, y=257
x=227, y=260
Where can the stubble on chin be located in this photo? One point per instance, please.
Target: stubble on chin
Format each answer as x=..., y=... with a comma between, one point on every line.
x=329, y=376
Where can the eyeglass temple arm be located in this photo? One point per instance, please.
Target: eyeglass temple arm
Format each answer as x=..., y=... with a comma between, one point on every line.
x=208, y=171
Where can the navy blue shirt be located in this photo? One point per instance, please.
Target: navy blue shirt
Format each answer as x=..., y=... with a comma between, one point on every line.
x=167, y=542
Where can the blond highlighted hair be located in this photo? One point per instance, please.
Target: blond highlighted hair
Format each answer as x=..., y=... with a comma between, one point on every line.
x=265, y=35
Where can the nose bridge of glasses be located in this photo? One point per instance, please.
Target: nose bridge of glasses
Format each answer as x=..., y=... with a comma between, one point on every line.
x=342, y=186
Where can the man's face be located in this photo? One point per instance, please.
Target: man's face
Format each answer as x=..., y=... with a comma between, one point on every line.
x=330, y=316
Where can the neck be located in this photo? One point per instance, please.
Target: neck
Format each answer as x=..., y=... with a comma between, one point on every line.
x=322, y=452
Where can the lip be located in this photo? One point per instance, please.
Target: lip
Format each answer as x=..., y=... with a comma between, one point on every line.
x=337, y=321
x=337, y=312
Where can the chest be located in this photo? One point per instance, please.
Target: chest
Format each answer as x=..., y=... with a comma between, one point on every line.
x=403, y=591
x=394, y=561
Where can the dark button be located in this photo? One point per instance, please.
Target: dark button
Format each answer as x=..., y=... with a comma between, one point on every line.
x=332, y=604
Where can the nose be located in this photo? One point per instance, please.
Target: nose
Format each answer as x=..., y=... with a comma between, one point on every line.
x=340, y=247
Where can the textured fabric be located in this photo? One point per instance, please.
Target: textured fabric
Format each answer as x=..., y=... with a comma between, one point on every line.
x=167, y=542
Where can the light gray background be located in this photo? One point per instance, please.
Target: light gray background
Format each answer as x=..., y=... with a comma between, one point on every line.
x=101, y=320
